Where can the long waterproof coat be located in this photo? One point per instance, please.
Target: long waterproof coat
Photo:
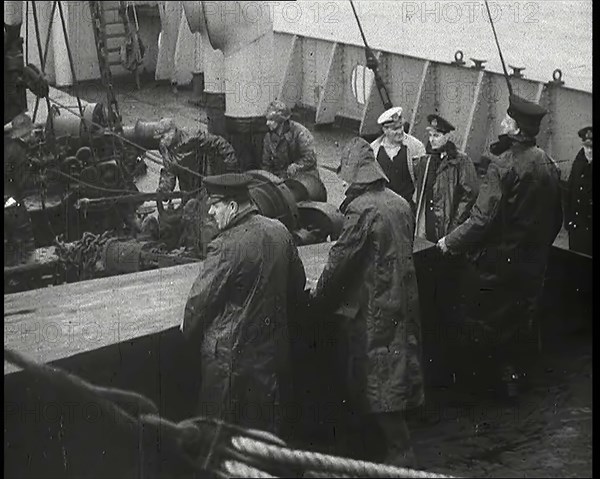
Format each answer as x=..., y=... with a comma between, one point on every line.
x=578, y=205
x=370, y=280
x=295, y=145
x=455, y=186
x=236, y=315
x=509, y=233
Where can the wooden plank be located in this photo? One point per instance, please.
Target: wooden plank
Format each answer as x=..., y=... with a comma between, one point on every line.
x=61, y=321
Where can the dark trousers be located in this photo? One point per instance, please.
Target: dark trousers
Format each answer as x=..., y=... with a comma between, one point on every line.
x=444, y=312
x=501, y=326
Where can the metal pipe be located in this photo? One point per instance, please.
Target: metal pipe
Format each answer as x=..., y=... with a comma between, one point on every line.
x=243, y=31
x=84, y=202
x=13, y=13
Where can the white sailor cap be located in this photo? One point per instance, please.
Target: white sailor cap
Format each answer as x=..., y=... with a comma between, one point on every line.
x=389, y=116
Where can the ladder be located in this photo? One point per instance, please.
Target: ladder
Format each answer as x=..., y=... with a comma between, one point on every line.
x=114, y=32
x=98, y=11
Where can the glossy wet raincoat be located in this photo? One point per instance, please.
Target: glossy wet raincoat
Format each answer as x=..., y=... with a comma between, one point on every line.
x=236, y=316
x=370, y=281
x=512, y=226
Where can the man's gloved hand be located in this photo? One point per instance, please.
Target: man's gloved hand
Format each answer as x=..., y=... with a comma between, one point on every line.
x=293, y=169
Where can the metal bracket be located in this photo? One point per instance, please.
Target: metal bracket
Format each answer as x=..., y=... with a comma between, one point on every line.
x=557, y=78
x=516, y=73
x=458, y=59
x=478, y=64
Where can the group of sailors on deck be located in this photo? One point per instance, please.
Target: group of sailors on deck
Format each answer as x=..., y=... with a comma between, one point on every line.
x=492, y=236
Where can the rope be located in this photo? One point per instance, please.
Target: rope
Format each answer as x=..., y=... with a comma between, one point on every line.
x=252, y=453
x=322, y=462
x=44, y=59
x=506, y=77
x=39, y=46
x=71, y=63
x=239, y=469
x=383, y=93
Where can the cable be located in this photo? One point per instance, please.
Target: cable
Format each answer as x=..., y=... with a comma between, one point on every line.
x=71, y=64
x=89, y=185
x=45, y=58
x=510, y=90
x=39, y=45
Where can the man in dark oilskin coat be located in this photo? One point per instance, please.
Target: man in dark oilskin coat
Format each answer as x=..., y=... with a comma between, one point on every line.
x=509, y=233
x=369, y=283
x=446, y=190
x=187, y=158
x=288, y=146
x=236, y=312
x=578, y=204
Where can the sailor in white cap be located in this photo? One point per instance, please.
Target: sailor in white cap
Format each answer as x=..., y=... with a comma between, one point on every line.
x=398, y=152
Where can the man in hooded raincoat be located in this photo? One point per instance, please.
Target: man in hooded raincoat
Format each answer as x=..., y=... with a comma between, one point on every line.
x=236, y=312
x=369, y=282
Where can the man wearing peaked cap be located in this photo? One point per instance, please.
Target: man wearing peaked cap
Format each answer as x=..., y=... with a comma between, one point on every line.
x=236, y=313
x=228, y=185
x=447, y=187
x=439, y=124
x=509, y=232
x=578, y=197
x=528, y=115
x=586, y=135
x=382, y=330
x=398, y=153
x=447, y=183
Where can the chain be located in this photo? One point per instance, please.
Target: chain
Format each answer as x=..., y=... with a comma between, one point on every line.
x=83, y=255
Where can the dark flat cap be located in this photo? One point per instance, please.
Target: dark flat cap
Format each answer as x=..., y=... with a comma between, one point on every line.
x=228, y=185
x=438, y=123
x=585, y=133
x=527, y=114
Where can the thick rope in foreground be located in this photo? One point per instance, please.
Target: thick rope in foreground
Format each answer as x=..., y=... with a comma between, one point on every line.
x=207, y=445
x=322, y=462
x=239, y=469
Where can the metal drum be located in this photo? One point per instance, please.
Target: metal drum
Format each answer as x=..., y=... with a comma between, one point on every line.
x=273, y=198
x=307, y=187
x=67, y=123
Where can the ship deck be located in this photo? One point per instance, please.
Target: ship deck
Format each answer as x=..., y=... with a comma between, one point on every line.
x=548, y=433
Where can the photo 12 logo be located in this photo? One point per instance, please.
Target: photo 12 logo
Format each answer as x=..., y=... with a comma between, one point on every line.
x=470, y=12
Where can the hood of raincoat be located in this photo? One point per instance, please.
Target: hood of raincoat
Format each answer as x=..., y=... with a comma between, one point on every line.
x=358, y=163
